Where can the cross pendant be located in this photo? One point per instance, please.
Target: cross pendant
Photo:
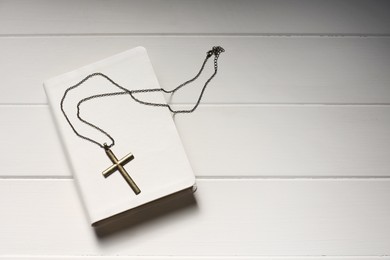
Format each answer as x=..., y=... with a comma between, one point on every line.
x=118, y=166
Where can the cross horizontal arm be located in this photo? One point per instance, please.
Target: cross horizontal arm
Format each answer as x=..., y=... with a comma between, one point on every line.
x=110, y=170
x=126, y=159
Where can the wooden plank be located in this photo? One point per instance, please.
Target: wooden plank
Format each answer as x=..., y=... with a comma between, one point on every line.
x=271, y=141
x=230, y=217
x=195, y=17
x=288, y=140
x=252, y=70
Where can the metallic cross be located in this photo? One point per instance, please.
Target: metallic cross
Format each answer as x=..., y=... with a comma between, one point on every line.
x=118, y=166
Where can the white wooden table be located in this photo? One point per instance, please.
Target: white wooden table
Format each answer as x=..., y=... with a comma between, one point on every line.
x=291, y=146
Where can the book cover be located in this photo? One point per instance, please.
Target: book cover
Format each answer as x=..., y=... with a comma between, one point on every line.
x=160, y=167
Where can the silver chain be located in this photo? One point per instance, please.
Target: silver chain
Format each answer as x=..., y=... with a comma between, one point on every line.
x=216, y=51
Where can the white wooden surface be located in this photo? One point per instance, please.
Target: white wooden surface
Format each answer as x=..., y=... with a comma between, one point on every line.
x=254, y=69
x=290, y=147
x=198, y=17
x=231, y=217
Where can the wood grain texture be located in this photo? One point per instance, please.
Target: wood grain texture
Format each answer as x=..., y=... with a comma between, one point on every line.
x=195, y=17
x=252, y=70
x=230, y=217
x=231, y=141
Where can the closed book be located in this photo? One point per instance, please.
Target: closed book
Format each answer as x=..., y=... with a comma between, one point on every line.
x=159, y=166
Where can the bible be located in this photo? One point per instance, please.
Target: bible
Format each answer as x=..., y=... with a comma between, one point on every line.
x=148, y=163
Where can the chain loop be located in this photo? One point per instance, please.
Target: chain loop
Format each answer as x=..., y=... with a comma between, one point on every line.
x=216, y=51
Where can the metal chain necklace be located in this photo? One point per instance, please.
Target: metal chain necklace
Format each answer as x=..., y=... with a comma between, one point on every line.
x=118, y=164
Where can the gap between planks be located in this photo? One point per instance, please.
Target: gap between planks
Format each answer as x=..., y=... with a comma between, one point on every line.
x=233, y=104
x=303, y=257
x=274, y=35
x=221, y=177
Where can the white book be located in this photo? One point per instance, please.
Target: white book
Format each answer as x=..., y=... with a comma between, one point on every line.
x=160, y=166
